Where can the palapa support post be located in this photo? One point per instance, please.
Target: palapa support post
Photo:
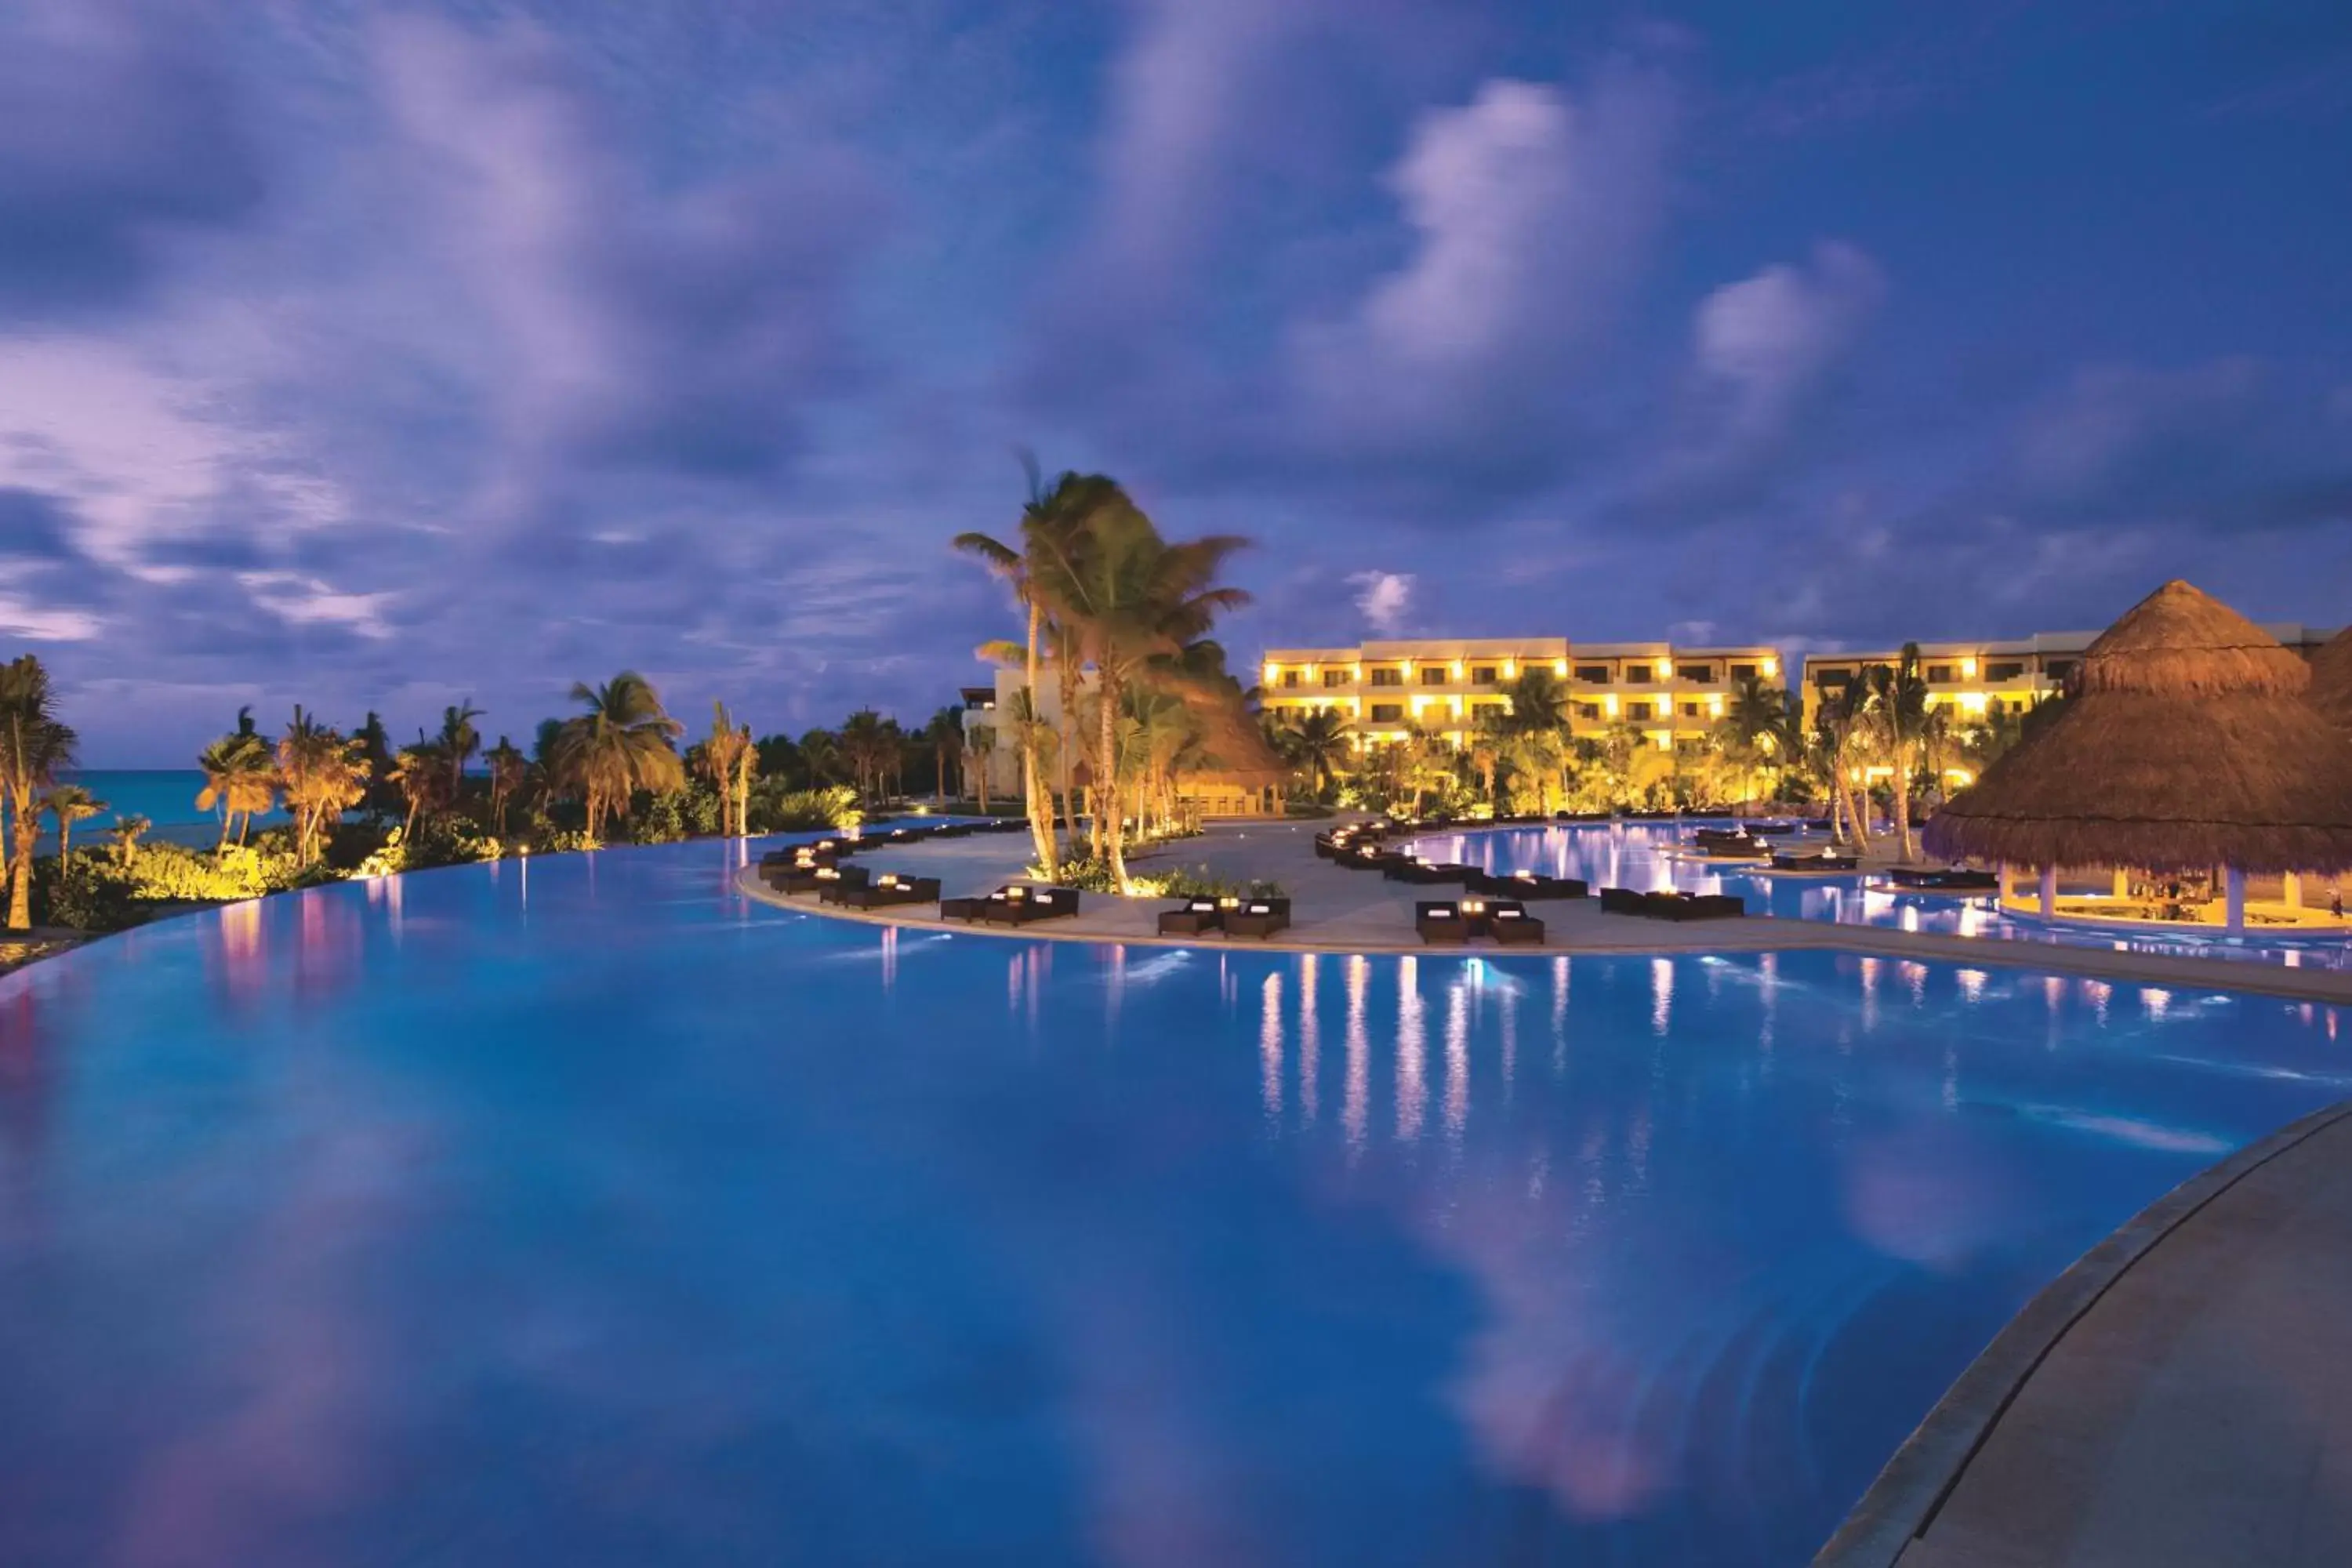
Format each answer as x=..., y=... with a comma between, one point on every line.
x=2048, y=892
x=2123, y=883
x=2233, y=898
x=2291, y=889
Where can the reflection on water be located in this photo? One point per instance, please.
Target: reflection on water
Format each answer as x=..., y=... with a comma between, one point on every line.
x=1654, y=856
x=664, y=1228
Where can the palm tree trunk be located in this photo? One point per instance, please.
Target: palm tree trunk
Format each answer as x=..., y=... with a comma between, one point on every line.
x=20, y=884
x=1903, y=803
x=1107, y=813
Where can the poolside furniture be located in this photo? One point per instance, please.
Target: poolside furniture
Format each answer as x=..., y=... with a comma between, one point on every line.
x=1679, y=906
x=888, y=890
x=831, y=882
x=1508, y=922
x=1196, y=917
x=908, y=835
x=966, y=909
x=1019, y=903
x=1260, y=917
x=1527, y=885
x=1439, y=922
x=1621, y=901
x=1824, y=859
x=1944, y=879
x=1735, y=848
x=1406, y=869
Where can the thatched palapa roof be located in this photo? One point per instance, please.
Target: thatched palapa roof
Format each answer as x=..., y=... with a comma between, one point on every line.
x=2331, y=679
x=2189, y=743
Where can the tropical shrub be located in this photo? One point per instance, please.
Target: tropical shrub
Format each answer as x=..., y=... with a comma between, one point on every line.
x=779, y=810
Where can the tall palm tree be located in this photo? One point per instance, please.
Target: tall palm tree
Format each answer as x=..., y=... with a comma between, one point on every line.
x=69, y=803
x=459, y=740
x=1319, y=740
x=1131, y=597
x=34, y=744
x=979, y=745
x=944, y=735
x=867, y=743
x=323, y=775
x=820, y=753
x=1538, y=701
x=240, y=778
x=723, y=758
x=510, y=771
x=128, y=831
x=1487, y=738
x=1896, y=717
x=1053, y=521
x=421, y=774
x=1839, y=727
x=622, y=744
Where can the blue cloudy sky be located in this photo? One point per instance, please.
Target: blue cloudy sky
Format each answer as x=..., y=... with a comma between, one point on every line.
x=375, y=355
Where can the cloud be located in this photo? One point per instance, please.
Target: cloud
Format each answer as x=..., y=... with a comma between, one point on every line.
x=121, y=134
x=1765, y=343
x=1529, y=209
x=1382, y=598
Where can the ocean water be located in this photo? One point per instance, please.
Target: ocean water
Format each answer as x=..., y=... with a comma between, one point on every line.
x=166, y=796
x=582, y=1211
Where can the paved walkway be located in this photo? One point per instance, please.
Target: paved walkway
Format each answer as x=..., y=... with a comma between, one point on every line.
x=1336, y=909
x=2184, y=1401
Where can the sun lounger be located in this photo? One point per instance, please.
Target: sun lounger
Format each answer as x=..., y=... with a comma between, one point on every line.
x=1197, y=916
x=1527, y=885
x=833, y=883
x=1508, y=922
x=888, y=890
x=1944, y=879
x=1815, y=861
x=1439, y=922
x=1679, y=906
x=1260, y=917
x=1621, y=901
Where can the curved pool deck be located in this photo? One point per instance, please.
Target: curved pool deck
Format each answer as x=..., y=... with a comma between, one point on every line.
x=2182, y=1397
x=1338, y=910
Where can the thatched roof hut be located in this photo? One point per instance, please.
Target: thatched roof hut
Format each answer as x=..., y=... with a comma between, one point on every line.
x=2188, y=743
x=2331, y=679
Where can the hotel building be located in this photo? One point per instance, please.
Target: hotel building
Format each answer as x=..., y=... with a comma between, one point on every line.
x=1982, y=679
x=1387, y=690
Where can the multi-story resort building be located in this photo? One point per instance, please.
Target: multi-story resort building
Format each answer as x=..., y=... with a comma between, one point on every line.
x=1985, y=679
x=1391, y=690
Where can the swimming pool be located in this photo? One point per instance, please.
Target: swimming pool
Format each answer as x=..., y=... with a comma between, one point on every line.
x=1636, y=855
x=594, y=1216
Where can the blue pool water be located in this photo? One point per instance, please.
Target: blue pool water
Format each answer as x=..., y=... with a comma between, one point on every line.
x=584, y=1214
x=1657, y=855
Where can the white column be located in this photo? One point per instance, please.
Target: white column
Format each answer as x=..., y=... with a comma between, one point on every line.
x=2234, y=896
x=2048, y=892
x=2291, y=889
x=2005, y=889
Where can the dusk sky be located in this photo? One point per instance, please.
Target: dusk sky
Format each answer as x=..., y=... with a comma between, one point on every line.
x=374, y=356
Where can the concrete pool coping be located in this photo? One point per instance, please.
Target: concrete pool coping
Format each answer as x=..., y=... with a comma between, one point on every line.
x=2034, y=1508
x=1338, y=910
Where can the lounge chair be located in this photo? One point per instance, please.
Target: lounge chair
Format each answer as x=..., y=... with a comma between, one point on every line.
x=1815, y=860
x=1622, y=901
x=1439, y=922
x=1679, y=906
x=1196, y=917
x=833, y=883
x=965, y=908
x=1260, y=917
x=1508, y=922
x=1734, y=848
x=890, y=888
x=1528, y=885
x=1944, y=879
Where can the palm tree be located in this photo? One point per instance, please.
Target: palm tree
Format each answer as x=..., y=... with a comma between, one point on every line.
x=1897, y=715
x=1053, y=521
x=1318, y=739
x=980, y=744
x=1538, y=701
x=724, y=758
x=460, y=741
x=944, y=735
x=34, y=744
x=621, y=744
x=69, y=803
x=510, y=771
x=1839, y=735
x=1131, y=598
x=421, y=774
x=866, y=743
x=128, y=832
x=323, y=775
x=1485, y=752
x=240, y=778
x=1760, y=727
